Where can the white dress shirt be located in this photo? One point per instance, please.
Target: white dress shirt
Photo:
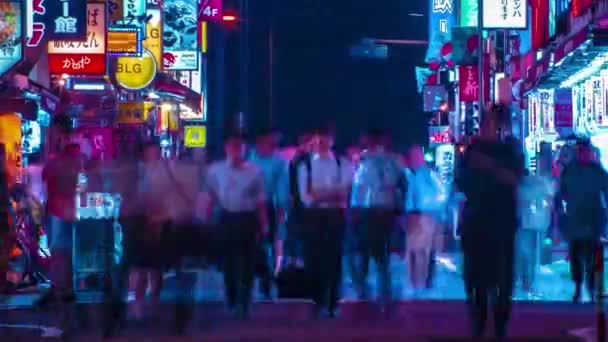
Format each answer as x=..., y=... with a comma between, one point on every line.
x=326, y=176
x=425, y=193
x=236, y=189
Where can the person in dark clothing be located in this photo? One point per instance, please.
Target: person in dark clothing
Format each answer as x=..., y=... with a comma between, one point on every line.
x=324, y=186
x=489, y=176
x=583, y=189
x=295, y=221
x=237, y=188
x=375, y=198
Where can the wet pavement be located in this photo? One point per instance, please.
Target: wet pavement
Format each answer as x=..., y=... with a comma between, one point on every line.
x=439, y=312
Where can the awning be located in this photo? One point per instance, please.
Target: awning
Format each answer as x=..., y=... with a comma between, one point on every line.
x=578, y=63
x=166, y=85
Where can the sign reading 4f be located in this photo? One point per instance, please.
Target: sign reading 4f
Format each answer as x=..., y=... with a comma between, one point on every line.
x=443, y=6
x=210, y=10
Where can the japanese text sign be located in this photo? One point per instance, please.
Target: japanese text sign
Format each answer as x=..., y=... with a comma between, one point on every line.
x=442, y=19
x=134, y=12
x=82, y=57
x=469, y=10
x=210, y=10
x=469, y=83
x=58, y=20
x=505, y=14
x=11, y=35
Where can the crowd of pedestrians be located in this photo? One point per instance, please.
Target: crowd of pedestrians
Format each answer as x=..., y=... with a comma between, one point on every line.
x=288, y=221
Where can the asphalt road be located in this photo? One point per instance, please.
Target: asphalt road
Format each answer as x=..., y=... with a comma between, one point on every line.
x=290, y=321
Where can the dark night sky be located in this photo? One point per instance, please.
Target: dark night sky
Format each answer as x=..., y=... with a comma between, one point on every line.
x=315, y=78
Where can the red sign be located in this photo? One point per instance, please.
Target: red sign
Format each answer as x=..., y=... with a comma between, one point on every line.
x=210, y=10
x=580, y=6
x=468, y=85
x=72, y=64
x=38, y=28
x=568, y=46
x=540, y=23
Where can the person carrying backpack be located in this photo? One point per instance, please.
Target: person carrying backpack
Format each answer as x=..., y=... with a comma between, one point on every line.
x=324, y=186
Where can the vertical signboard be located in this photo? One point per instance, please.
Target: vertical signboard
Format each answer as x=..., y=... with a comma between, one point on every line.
x=82, y=57
x=442, y=19
x=444, y=162
x=599, y=105
x=66, y=19
x=153, y=42
x=505, y=14
x=36, y=27
x=469, y=10
x=180, y=35
x=468, y=83
x=563, y=108
x=134, y=12
x=11, y=34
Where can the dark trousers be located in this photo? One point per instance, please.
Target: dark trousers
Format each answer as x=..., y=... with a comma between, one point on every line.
x=323, y=244
x=239, y=256
x=489, y=272
x=372, y=230
x=265, y=252
x=581, y=263
x=432, y=267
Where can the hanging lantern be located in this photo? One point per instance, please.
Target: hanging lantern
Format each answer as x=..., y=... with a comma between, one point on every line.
x=434, y=66
x=473, y=44
x=446, y=51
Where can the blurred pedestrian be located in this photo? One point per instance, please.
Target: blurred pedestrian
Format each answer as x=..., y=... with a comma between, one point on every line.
x=374, y=201
x=296, y=223
x=237, y=188
x=489, y=177
x=60, y=176
x=584, y=194
x=425, y=199
x=276, y=186
x=535, y=209
x=324, y=185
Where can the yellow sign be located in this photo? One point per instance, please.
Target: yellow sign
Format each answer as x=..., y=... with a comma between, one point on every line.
x=133, y=113
x=135, y=73
x=203, y=36
x=195, y=136
x=154, y=41
x=123, y=42
x=10, y=139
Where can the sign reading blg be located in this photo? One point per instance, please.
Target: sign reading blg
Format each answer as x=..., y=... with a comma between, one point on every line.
x=82, y=57
x=11, y=34
x=505, y=14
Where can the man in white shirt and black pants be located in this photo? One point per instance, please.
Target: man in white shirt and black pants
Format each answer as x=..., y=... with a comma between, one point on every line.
x=324, y=185
x=237, y=187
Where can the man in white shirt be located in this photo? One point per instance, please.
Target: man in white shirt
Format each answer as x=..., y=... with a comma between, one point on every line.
x=237, y=188
x=324, y=185
x=377, y=189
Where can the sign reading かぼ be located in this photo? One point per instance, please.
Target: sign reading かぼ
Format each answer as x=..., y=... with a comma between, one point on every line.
x=80, y=57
